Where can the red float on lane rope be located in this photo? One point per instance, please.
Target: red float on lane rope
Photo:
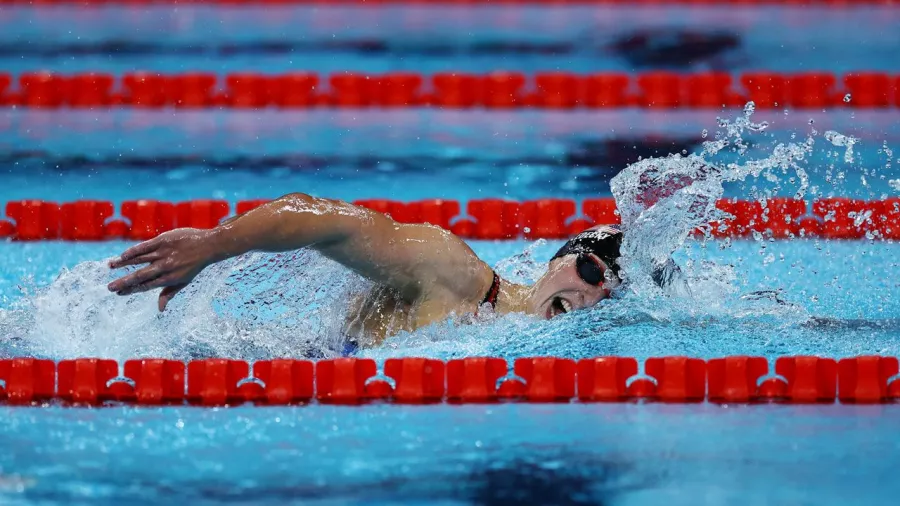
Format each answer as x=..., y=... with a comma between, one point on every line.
x=28, y=380
x=735, y=379
x=85, y=220
x=765, y=89
x=493, y=90
x=678, y=379
x=840, y=217
x=546, y=218
x=156, y=381
x=474, y=379
x=605, y=378
x=864, y=380
x=417, y=380
x=145, y=90
x=214, y=382
x=809, y=379
x=35, y=220
x=219, y=382
x=343, y=380
x=491, y=219
x=200, y=213
x=148, y=218
x=84, y=380
x=868, y=89
x=547, y=379
x=286, y=381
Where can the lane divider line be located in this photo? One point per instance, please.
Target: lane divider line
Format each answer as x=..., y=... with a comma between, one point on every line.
x=453, y=90
x=472, y=380
x=483, y=219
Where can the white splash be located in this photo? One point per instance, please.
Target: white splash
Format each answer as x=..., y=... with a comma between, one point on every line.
x=842, y=141
x=253, y=306
x=662, y=201
x=259, y=305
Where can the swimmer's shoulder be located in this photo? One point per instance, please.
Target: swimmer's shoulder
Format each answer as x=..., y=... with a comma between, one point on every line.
x=456, y=273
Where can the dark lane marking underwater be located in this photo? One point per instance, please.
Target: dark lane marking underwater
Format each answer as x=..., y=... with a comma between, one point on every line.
x=607, y=156
x=669, y=48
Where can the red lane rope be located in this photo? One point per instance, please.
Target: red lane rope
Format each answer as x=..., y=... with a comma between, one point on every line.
x=780, y=218
x=496, y=90
x=218, y=382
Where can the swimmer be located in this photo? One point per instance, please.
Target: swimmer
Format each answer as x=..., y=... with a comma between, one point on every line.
x=423, y=273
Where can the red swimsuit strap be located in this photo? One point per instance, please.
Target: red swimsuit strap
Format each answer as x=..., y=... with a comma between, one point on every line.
x=493, y=292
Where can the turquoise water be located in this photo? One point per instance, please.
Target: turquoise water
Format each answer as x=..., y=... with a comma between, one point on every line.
x=429, y=38
x=833, y=298
x=580, y=454
x=830, y=298
x=404, y=155
x=550, y=454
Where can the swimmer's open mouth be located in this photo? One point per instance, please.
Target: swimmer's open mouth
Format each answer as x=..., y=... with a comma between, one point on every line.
x=559, y=306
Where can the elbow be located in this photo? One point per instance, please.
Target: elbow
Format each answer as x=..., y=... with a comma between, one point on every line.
x=296, y=198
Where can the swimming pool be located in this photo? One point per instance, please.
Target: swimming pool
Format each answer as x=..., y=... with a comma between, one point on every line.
x=832, y=298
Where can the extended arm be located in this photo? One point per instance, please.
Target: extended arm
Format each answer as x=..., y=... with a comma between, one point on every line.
x=413, y=259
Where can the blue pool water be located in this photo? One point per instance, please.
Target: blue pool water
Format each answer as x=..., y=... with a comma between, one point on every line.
x=578, y=454
x=439, y=38
x=830, y=298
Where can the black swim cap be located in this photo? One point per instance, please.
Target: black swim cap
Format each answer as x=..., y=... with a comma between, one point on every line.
x=604, y=242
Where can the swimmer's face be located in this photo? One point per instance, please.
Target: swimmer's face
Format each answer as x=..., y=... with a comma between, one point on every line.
x=562, y=290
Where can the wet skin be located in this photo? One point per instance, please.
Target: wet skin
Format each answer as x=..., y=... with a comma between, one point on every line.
x=431, y=273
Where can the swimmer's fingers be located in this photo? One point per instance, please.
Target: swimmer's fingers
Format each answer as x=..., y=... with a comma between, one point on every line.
x=167, y=294
x=134, y=252
x=137, y=279
x=118, y=263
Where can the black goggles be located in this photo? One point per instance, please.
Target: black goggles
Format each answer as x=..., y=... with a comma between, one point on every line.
x=589, y=269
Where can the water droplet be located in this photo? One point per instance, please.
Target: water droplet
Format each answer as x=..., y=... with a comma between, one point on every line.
x=704, y=133
x=847, y=98
x=749, y=108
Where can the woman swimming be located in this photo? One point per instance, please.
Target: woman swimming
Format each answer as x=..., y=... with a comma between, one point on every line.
x=423, y=273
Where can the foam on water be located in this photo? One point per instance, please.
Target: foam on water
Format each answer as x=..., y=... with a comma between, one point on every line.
x=295, y=304
x=253, y=306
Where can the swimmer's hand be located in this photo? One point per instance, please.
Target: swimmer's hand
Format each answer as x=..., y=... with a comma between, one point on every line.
x=174, y=259
x=415, y=260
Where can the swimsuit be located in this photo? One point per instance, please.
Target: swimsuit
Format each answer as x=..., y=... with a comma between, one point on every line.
x=493, y=292
x=351, y=347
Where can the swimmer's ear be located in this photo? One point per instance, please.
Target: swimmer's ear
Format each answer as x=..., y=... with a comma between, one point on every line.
x=166, y=295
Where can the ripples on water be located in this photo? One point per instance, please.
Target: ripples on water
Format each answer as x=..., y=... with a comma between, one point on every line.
x=294, y=304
